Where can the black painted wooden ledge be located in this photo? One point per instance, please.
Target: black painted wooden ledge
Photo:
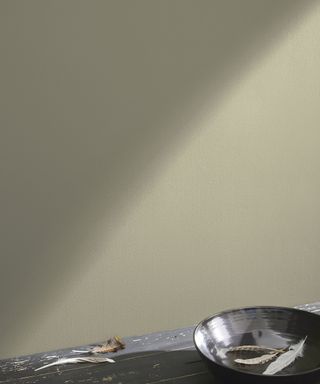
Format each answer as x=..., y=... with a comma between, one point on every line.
x=158, y=358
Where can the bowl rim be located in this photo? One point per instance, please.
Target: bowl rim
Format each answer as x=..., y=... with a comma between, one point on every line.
x=226, y=311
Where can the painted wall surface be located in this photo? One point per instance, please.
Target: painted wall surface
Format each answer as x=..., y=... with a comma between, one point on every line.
x=159, y=162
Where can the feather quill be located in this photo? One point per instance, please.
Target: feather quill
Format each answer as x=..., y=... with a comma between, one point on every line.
x=286, y=358
x=73, y=360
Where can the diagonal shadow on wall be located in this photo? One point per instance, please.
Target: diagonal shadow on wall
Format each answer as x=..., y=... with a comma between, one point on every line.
x=92, y=94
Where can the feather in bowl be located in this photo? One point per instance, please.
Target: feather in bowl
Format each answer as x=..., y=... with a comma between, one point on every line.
x=261, y=345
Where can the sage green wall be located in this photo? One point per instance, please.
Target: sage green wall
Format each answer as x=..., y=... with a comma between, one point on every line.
x=159, y=162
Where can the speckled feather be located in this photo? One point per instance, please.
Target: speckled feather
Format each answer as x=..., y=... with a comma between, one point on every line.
x=257, y=360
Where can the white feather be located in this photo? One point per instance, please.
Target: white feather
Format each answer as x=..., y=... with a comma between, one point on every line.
x=73, y=360
x=286, y=358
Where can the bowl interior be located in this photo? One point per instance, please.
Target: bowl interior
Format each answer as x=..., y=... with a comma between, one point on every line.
x=271, y=327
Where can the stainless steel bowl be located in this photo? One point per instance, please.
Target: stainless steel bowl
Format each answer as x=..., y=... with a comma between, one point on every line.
x=270, y=327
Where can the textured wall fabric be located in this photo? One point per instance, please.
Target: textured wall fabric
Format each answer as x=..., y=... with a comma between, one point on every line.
x=159, y=162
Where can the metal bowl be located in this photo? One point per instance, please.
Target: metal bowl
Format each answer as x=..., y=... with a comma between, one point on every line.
x=269, y=327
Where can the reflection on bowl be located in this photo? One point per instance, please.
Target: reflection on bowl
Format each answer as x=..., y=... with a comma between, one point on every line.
x=269, y=328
